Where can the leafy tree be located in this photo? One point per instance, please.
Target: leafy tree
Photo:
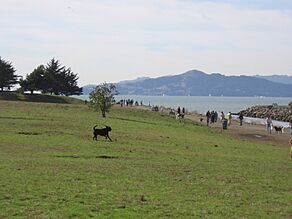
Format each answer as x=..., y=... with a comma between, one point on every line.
x=69, y=85
x=60, y=80
x=34, y=81
x=7, y=77
x=102, y=98
x=53, y=77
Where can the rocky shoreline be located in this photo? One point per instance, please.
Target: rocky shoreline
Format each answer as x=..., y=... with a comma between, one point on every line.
x=279, y=113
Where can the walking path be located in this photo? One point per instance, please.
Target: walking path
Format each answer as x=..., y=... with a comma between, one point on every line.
x=247, y=131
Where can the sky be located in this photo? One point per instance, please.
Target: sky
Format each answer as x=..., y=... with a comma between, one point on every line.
x=115, y=40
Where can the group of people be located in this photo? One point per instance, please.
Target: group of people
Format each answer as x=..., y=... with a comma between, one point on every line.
x=212, y=117
x=269, y=124
x=130, y=102
x=178, y=113
x=155, y=108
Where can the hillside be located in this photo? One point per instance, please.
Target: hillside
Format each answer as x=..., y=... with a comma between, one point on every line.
x=88, y=88
x=156, y=167
x=284, y=79
x=197, y=83
x=42, y=98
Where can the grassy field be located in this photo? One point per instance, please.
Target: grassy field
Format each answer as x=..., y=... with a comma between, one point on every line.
x=157, y=167
x=40, y=98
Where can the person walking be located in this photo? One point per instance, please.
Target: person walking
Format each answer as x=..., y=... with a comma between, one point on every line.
x=212, y=117
x=269, y=124
x=222, y=117
x=229, y=117
x=215, y=116
x=240, y=118
x=183, y=112
x=178, y=111
x=208, y=114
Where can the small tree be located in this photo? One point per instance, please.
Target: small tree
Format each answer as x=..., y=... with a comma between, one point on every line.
x=102, y=98
x=7, y=77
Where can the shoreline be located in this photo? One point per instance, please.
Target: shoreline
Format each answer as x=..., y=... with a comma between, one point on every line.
x=250, y=120
x=246, y=132
x=201, y=104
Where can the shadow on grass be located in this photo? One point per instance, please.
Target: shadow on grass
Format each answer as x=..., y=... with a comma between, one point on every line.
x=22, y=118
x=14, y=96
x=133, y=120
x=28, y=133
x=99, y=156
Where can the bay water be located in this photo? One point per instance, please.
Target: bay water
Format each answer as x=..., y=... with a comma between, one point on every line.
x=201, y=104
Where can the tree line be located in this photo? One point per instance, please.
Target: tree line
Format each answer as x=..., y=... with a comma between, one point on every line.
x=56, y=79
x=50, y=79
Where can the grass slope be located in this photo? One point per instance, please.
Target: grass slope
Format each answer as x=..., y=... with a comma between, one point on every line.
x=43, y=98
x=160, y=168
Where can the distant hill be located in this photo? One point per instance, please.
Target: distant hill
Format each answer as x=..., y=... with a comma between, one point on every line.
x=198, y=83
x=88, y=88
x=284, y=79
x=139, y=79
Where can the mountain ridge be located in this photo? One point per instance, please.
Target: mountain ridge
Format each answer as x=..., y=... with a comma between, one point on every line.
x=284, y=79
x=198, y=83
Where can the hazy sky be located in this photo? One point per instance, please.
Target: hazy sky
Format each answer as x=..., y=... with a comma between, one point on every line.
x=113, y=40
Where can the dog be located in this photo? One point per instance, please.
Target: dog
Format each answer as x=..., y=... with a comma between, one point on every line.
x=102, y=132
x=279, y=129
x=179, y=116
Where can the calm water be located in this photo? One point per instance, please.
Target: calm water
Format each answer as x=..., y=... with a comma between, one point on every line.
x=201, y=104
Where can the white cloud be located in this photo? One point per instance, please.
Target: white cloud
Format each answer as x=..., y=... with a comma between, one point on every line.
x=115, y=40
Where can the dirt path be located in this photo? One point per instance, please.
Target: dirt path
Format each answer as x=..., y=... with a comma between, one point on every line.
x=252, y=132
x=247, y=131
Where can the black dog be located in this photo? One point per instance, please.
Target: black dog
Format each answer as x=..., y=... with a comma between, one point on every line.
x=279, y=129
x=102, y=132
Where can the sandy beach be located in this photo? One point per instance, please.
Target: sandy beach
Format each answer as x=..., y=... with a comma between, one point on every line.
x=247, y=131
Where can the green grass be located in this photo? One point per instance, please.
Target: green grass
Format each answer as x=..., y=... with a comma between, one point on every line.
x=15, y=96
x=162, y=168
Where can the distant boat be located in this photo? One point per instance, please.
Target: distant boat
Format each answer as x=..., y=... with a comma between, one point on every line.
x=210, y=95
